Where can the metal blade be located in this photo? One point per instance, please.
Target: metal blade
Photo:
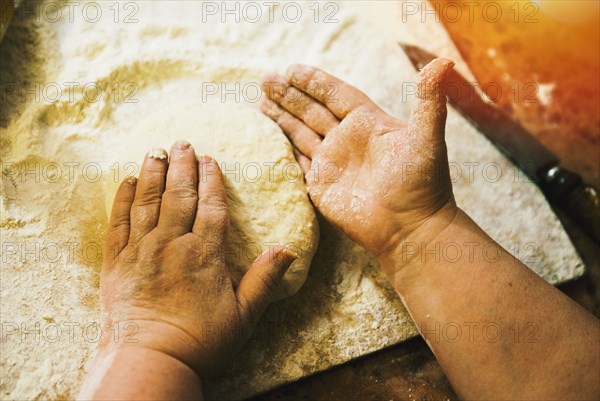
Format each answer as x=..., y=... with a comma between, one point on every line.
x=503, y=131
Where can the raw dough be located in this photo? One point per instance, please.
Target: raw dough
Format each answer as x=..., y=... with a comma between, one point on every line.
x=267, y=198
x=346, y=309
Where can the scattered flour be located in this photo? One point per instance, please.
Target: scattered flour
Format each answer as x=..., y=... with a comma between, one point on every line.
x=54, y=154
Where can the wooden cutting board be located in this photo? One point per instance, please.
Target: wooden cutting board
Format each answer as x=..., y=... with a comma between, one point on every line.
x=346, y=309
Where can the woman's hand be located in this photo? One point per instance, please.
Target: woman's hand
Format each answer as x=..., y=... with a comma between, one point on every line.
x=164, y=275
x=377, y=178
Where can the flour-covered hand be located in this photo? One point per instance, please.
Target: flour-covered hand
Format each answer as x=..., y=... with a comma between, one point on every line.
x=377, y=178
x=164, y=271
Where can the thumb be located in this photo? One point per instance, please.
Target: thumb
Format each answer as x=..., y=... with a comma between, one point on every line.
x=262, y=279
x=428, y=118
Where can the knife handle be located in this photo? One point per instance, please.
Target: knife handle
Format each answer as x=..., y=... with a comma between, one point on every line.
x=580, y=201
x=583, y=206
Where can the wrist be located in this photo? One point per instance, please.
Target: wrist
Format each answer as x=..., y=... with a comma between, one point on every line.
x=136, y=372
x=407, y=253
x=152, y=336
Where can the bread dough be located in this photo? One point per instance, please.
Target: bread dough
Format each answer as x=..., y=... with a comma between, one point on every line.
x=267, y=197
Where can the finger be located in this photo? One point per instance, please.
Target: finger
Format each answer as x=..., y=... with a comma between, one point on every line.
x=179, y=201
x=303, y=161
x=301, y=136
x=307, y=109
x=212, y=218
x=429, y=115
x=150, y=187
x=262, y=280
x=339, y=97
x=119, y=224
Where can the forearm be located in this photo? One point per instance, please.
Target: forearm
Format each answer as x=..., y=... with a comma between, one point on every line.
x=136, y=373
x=497, y=329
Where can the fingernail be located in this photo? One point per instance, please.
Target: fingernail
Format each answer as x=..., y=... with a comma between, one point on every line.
x=158, y=153
x=182, y=144
x=287, y=254
x=131, y=181
x=204, y=159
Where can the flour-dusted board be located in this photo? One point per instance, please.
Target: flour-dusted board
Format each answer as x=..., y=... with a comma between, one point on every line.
x=169, y=51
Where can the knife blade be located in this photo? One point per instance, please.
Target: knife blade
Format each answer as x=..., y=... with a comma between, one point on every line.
x=563, y=188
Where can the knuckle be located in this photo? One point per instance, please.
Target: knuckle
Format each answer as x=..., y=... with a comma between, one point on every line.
x=249, y=309
x=289, y=122
x=214, y=213
x=181, y=161
x=149, y=194
x=191, y=244
x=120, y=222
x=271, y=109
x=146, y=200
x=309, y=73
x=268, y=282
x=181, y=192
x=117, y=237
x=156, y=168
x=212, y=198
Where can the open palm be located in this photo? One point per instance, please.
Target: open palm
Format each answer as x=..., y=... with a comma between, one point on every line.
x=372, y=175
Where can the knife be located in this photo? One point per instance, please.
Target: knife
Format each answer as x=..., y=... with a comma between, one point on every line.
x=563, y=188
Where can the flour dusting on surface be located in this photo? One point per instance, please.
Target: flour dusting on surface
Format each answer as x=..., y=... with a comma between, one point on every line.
x=53, y=226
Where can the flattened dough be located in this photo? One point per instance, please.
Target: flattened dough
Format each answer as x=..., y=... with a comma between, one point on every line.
x=267, y=197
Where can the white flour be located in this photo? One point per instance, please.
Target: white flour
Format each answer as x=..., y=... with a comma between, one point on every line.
x=54, y=153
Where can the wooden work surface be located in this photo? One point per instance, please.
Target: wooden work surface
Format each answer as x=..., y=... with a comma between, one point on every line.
x=409, y=371
x=405, y=371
